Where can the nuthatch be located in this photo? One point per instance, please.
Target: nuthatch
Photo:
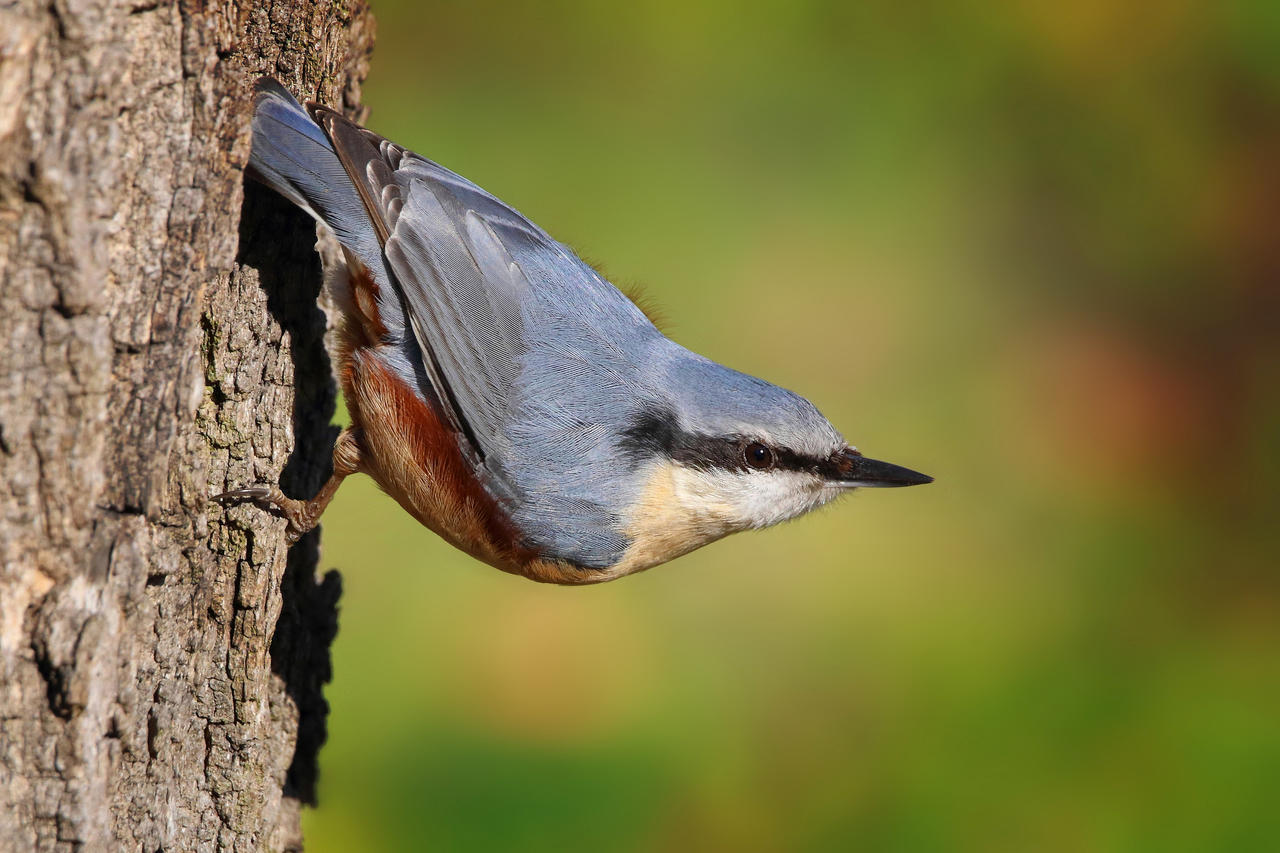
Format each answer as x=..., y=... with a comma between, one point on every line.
x=513, y=400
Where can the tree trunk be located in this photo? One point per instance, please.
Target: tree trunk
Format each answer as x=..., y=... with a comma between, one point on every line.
x=161, y=658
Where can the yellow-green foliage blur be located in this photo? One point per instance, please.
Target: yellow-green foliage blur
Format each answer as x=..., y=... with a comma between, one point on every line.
x=1029, y=248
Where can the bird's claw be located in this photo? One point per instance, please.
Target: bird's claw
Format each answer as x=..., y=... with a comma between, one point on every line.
x=298, y=513
x=250, y=493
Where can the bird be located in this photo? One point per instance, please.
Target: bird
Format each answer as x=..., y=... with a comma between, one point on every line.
x=508, y=396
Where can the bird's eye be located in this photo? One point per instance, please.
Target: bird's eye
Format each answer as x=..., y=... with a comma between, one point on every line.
x=758, y=456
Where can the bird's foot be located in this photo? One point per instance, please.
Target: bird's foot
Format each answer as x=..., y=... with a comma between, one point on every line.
x=302, y=515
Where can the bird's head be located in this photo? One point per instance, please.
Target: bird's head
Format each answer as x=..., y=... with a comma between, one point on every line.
x=720, y=452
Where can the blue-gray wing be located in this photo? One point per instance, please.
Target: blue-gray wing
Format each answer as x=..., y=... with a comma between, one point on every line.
x=454, y=251
x=460, y=286
x=473, y=273
x=535, y=355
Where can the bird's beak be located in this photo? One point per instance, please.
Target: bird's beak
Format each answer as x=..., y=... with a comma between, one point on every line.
x=857, y=471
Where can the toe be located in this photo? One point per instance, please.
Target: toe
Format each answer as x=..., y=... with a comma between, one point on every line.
x=251, y=493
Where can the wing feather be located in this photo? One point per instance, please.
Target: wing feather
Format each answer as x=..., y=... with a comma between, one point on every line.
x=444, y=239
x=531, y=352
x=464, y=294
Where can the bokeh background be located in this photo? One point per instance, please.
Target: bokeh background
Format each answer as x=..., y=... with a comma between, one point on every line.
x=1030, y=248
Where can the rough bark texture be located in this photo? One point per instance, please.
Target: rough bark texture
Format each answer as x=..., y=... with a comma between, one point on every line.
x=160, y=658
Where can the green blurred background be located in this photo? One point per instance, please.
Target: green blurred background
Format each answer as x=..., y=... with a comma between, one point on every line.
x=1030, y=248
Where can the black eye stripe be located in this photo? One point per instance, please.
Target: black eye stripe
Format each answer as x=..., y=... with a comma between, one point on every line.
x=655, y=433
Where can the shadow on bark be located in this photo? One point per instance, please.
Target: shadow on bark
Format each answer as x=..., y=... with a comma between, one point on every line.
x=277, y=240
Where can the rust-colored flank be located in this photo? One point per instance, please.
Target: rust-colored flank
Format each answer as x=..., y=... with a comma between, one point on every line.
x=415, y=457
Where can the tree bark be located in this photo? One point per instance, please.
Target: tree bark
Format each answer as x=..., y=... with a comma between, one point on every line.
x=161, y=658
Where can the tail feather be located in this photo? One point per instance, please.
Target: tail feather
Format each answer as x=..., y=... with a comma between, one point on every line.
x=292, y=155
